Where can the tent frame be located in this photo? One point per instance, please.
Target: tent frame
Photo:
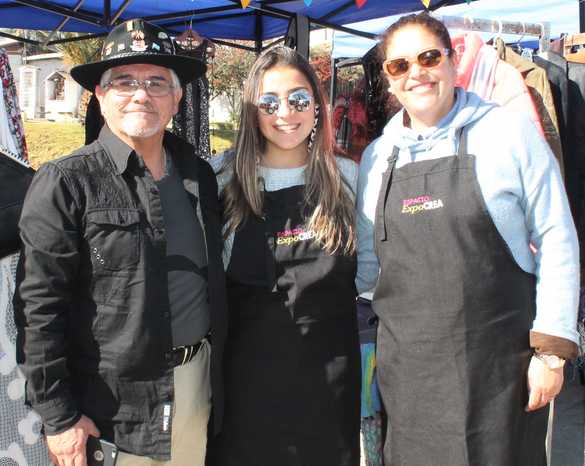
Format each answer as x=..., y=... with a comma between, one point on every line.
x=111, y=18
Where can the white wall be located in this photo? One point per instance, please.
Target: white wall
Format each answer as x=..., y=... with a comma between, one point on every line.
x=36, y=102
x=28, y=90
x=65, y=108
x=219, y=110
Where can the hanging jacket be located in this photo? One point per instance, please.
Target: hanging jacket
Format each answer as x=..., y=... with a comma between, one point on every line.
x=481, y=71
x=537, y=82
x=14, y=181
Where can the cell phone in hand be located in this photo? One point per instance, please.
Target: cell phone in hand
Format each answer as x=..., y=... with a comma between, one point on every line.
x=100, y=452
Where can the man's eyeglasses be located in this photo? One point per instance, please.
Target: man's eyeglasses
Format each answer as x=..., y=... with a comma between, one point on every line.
x=299, y=100
x=430, y=58
x=153, y=87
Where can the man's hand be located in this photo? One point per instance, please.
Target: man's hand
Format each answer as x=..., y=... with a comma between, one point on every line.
x=543, y=384
x=68, y=448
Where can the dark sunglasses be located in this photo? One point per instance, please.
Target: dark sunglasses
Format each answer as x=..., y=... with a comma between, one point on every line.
x=299, y=100
x=430, y=58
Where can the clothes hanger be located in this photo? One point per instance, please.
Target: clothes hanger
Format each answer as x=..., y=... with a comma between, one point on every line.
x=572, y=42
x=498, y=37
x=527, y=52
x=189, y=39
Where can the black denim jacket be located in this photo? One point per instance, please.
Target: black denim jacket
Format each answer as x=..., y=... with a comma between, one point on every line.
x=14, y=181
x=91, y=305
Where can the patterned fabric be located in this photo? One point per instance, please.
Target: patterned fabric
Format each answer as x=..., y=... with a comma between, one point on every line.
x=20, y=441
x=372, y=442
x=370, y=405
x=12, y=108
x=192, y=121
x=581, y=327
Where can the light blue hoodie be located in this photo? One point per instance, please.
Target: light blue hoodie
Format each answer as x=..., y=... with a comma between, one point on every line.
x=522, y=187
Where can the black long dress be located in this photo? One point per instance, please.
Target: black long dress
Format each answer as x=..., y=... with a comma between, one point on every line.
x=293, y=361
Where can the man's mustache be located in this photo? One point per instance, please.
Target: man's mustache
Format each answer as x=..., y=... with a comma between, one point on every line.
x=145, y=108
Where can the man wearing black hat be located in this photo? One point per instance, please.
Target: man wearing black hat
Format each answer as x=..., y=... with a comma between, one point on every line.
x=120, y=287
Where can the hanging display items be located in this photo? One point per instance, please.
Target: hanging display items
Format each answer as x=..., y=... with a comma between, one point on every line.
x=359, y=3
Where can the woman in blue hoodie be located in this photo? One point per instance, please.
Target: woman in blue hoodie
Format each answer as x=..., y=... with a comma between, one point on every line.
x=465, y=231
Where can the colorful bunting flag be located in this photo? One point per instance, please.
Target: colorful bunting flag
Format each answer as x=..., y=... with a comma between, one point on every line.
x=426, y=3
x=245, y=3
x=360, y=3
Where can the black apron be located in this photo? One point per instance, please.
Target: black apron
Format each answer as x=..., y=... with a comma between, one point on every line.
x=455, y=314
x=293, y=358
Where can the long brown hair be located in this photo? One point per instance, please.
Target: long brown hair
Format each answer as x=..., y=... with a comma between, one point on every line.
x=332, y=219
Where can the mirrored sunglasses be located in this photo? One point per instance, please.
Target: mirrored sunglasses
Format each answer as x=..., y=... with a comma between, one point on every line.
x=430, y=58
x=299, y=100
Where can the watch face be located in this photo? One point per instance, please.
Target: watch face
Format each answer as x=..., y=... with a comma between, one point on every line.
x=552, y=361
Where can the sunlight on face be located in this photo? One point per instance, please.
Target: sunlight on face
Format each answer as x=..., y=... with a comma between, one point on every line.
x=139, y=115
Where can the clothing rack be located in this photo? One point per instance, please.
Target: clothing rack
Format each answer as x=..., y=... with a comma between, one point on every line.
x=573, y=41
x=468, y=23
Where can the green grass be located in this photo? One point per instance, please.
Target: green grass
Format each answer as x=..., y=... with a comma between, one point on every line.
x=48, y=140
x=221, y=138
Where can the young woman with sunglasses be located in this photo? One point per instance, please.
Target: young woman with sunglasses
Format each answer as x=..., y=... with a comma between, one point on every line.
x=292, y=358
x=465, y=230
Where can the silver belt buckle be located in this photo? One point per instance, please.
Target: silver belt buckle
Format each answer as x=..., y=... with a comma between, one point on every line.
x=187, y=350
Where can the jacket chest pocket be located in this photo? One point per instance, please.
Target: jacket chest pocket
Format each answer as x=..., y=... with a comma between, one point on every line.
x=114, y=238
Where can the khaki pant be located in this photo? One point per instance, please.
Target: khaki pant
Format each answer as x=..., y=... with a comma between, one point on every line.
x=190, y=415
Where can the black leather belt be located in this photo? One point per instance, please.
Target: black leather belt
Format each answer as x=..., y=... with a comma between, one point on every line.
x=183, y=354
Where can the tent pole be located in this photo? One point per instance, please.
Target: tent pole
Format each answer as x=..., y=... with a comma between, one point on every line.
x=85, y=17
x=233, y=44
x=107, y=11
x=189, y=13
x=77, y=39
x=333, y=84
x=338, y=10
x=62, y=23
x=258, y=33
x=118, y=13
x=204, y=20
x=24, y=40
x=355, y=32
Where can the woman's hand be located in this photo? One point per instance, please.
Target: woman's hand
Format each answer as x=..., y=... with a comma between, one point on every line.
x=543, y=384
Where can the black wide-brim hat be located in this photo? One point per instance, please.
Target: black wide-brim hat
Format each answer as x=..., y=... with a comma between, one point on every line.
x=137, y=41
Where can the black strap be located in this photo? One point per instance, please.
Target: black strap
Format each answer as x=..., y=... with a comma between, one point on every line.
x=381, y=227
x=462, y=149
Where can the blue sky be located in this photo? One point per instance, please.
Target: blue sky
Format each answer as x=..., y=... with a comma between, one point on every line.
x=563, y=16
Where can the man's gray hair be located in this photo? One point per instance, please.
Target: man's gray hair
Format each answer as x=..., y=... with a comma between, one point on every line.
x=107, y=76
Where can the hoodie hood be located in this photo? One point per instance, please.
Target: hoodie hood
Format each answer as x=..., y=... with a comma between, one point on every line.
x=468, y=108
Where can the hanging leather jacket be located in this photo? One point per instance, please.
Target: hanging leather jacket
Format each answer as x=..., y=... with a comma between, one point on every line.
x=14, y=181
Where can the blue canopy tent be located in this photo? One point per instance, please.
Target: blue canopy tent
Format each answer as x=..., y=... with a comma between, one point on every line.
x=215, y=19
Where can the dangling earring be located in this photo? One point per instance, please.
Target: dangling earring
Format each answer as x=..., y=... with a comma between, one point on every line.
x=314, y=130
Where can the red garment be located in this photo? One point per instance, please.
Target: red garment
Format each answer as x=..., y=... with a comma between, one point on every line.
x=481, y=71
